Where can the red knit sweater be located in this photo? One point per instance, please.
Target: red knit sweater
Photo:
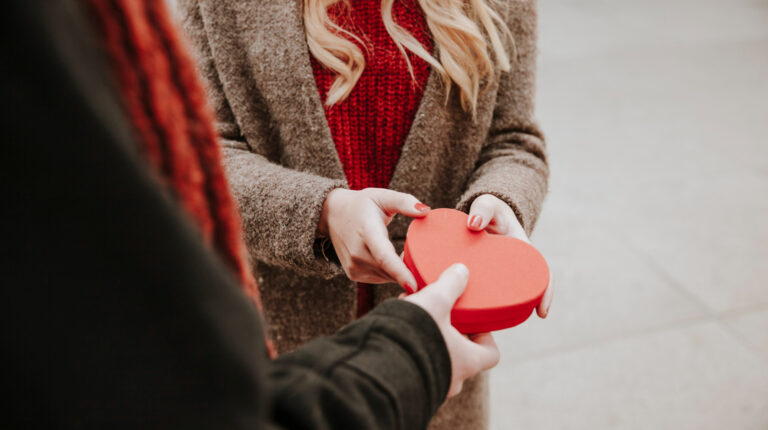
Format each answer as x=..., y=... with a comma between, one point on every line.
x=370, y=126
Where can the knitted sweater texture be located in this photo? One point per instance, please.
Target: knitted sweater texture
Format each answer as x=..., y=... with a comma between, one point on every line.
x=370, y=126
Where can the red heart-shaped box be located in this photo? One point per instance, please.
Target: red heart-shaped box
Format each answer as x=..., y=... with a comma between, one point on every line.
x=507, y=276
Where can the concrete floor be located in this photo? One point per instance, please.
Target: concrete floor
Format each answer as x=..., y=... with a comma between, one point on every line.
x=657, y=119
x=656, y=113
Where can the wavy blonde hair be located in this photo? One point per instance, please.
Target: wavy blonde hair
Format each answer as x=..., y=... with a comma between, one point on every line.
x=461, y=29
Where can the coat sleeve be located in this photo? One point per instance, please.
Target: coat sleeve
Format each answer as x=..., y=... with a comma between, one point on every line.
x=118, y=315
x=275, y=201
x=389, y=370
x=513, y=162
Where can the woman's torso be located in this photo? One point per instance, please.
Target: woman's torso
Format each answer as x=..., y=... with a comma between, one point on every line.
x=371, y=124
x=265, y=69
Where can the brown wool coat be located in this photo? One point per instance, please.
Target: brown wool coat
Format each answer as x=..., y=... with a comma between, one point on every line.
x=282, y=161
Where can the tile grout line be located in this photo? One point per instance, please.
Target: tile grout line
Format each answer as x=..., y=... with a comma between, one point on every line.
x=606, y=340
x=648, y=259
x=748, y=345
x=665, y=275
x=760, y=307
x=678, y=286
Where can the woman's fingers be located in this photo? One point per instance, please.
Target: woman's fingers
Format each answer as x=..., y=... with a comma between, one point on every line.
x=358, y=264
x=367, y=273
x=385, y=257
x=357, y=224
x=392, y=202
x=507, y=225
x=517, y=231
x=492, y=214
x=481, y=213
x=495, y=216
x=543, y=309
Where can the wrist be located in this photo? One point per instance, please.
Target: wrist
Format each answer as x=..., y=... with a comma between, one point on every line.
x=322, y=225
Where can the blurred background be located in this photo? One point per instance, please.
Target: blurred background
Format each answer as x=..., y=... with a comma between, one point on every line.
x=656, y=226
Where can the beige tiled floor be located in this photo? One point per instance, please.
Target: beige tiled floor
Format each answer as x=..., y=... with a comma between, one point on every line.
x=656, y=227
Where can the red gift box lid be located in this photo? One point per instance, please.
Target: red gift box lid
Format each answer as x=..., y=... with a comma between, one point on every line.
x=507, y=276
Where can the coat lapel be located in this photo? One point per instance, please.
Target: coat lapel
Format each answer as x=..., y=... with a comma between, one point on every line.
x=416, y=143
x=441, y=133
x=280, y=62
x=282, y=70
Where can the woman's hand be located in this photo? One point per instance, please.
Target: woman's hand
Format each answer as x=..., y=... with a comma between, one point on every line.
x=471, y=354
x=356, y=222
x=492, y=214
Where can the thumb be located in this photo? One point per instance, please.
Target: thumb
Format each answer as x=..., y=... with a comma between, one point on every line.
x=451, y=284
x=480, y=214
x=392, y=202
x=438, y=297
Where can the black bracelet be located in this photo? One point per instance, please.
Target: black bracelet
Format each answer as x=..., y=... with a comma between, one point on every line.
x=325, y=246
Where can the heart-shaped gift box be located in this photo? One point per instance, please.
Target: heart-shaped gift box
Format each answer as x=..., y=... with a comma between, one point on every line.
x=507, y=276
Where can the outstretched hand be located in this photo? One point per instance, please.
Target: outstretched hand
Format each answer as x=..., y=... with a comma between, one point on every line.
x=492, y=214
x=356, y=222
x=471, y=354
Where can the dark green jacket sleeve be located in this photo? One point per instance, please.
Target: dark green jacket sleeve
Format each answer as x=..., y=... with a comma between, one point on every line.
x=394, y=358
x=115, y=315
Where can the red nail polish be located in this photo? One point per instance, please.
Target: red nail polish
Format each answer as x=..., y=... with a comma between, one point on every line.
x=409, y=289
x=421, y=207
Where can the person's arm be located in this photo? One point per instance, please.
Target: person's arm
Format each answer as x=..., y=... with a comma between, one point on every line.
x=383, y=360
x=389, y=370
x=513, y=164
x=284, y=210
x=275, y=201
x=116, y=313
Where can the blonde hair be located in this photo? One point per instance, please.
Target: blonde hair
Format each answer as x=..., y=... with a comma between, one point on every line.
x=459, y=28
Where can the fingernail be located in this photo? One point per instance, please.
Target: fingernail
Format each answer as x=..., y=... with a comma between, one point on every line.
x=475, y=221
x=409, y=288
x=421, y=207
x=461, y=269
x=544, y=312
